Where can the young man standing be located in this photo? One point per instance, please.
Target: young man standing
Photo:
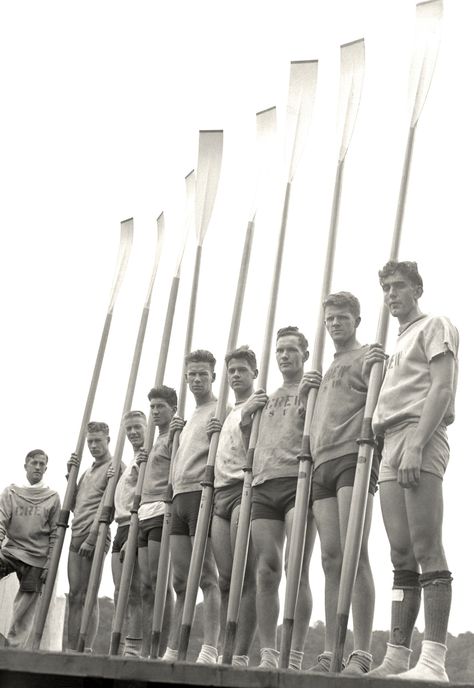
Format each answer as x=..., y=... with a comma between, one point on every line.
x=28, y=519
x=230, y=459
x=134, y=423
x=336, y=426
x=84, y=528
x=163, y=403
x=275, y=471
x=415, y=405
x=187, y=472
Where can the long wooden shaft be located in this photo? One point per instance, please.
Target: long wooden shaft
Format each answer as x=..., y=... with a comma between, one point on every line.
x=358, y=508
x=132, y=539
x=207, y=494
x=106, y=516
x=242, y=539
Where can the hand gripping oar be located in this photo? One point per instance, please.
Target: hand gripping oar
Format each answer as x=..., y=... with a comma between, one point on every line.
x=302, y=88
x=265, y=127
x=130, y=550
x=107, y=512
x=427, y=43
x=126, y=236
x=350, y=90
x=207, y=179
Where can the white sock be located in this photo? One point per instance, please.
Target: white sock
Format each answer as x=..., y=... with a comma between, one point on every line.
x=358, y=662
x=170, y=655
x=133, y=647
x=296, y=660
x=240, y=660
x=269, y=658
x=396, y=661
x=208, y=655
x=430, y=665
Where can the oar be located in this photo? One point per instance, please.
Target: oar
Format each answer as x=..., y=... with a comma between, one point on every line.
x=107, y=512
x=207, y=179
x=129, y=559
x=265, y=126
x=302, y=88
x=350, y=90
x=126, y=236
x=428, y=16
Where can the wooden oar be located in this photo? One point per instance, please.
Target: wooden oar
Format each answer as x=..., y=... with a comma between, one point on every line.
x=302, y=88
x=427, y=43
x=207, y=179
x=132, y=539
x=126, y=237
x=266, y=121
x=350, y=90
x=107, y=513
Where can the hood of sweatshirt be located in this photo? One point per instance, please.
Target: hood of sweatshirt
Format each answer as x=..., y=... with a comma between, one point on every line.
x=34, y=495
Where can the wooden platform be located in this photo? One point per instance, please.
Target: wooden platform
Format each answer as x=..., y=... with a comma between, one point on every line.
x=20, y=669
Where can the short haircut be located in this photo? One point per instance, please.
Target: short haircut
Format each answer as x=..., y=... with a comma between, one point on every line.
x=408, y=268
x=35, y=452
x=168, y=394
x=94, y=426
x=291, y=330
x=201, y=356
x=130, y=415
x=343, y=299
x=245, y=354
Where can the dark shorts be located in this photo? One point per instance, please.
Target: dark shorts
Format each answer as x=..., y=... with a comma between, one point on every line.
x=120, y=538
x=331, y=475
x=150, y=529
x=29, y=576
x=226, y=499
x=273, y=499
x=185, y=513
x=77, y=541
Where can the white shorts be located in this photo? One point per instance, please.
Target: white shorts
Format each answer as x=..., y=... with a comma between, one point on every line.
x=435, y=454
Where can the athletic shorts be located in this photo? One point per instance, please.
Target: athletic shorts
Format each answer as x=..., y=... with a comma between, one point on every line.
x=435, y=455
x=226, y=499
x=120, y=538
x=150, y=529
x=185, y=513
x=29, y=576
x=331, y=475
x=274, y=498
x=76, y=542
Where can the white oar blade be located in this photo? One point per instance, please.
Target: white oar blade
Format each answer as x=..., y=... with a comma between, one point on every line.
x=265, y=152
x=301, y=94
x=207, y=178
x=160, y=232
x=350, y=90
x=427, y=40
x=126, y=239
x=189, y=219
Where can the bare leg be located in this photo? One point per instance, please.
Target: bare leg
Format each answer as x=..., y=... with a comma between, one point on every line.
x=210, y=590
x=180, y=548
x=78, y=573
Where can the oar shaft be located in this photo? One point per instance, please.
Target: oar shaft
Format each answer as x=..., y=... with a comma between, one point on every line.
x=190, y=328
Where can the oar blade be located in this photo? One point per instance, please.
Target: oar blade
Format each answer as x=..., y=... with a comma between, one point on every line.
x=265, y=151
x=350, y=90
x=189, y=218
x=160, y=233
x=126, y=239
x=207, y=178
x=301, y=96
x=427, y=40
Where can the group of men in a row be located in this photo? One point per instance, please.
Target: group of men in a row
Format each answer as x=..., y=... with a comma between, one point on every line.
x=415, y=405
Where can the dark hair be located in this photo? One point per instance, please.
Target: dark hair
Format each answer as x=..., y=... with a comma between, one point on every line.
x=343, y=299
x=245, y=354
x=168, y=394
x=34, y=452
x=293, y=331
x=94, y=426
x=134, y=414
x=201, y=356
x=408, y=268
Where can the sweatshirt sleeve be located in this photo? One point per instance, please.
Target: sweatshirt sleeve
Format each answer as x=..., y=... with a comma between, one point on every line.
x=5, y=513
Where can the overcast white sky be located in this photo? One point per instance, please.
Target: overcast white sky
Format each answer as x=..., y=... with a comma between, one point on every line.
x=101, y=107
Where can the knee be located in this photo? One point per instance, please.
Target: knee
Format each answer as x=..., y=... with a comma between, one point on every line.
x=428, y=552
x=224, y=585
x=209, y=581
x=76, y=596
x=331, y=561
x=403, y=557
x=268, y=576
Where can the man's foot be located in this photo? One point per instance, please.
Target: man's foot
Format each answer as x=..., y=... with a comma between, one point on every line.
x=170, y=655
x=296, y=660
x=208, y=655
x=240, y=661
x=358, y=663
x=268, y=658
x=430, y=666
x=323, y=663
x=396, y=661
